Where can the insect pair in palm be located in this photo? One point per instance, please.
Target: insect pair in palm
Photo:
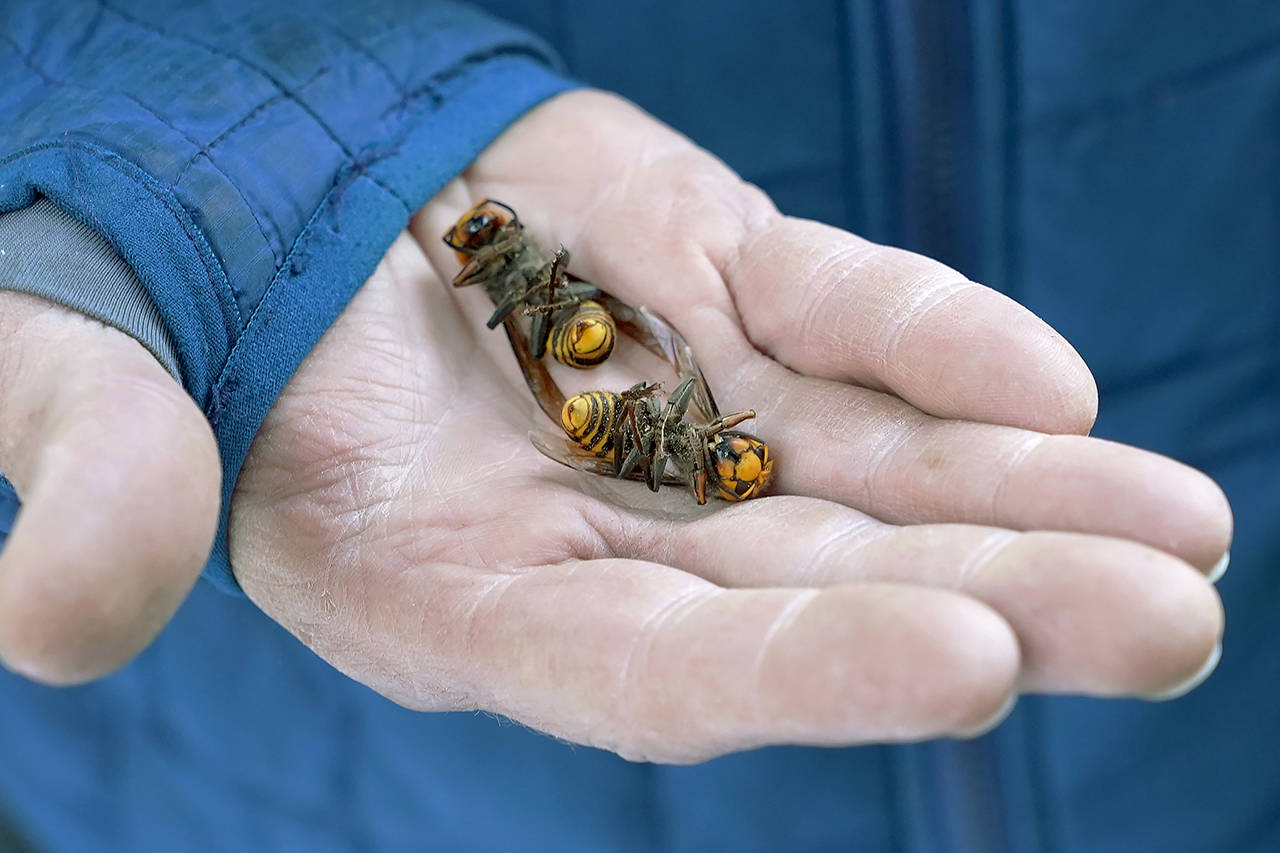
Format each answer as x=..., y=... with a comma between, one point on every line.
x=630, y=434
x=565, y=313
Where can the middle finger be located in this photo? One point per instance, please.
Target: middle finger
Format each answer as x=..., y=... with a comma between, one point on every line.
x=874, y=452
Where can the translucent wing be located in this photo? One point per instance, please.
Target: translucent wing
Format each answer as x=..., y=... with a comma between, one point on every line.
x=566, y=451
x=661, y=338
x=560, y=448
x=545, y=390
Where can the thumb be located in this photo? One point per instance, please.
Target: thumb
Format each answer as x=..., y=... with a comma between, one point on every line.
x=119, y=478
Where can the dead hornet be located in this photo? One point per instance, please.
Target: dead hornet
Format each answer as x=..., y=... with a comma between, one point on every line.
x=629, y=434
x=495, y=251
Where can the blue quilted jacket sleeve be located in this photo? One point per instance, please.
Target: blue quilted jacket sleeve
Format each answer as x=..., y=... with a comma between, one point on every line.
x=252, y=161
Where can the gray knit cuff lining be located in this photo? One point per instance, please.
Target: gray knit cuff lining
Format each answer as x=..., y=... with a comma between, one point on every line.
x=46, y=252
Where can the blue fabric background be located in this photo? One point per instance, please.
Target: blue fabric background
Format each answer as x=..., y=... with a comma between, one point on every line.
x=1114, y=165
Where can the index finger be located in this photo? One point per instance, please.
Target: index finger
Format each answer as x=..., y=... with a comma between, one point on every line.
x=656, y=221
x=827, y=303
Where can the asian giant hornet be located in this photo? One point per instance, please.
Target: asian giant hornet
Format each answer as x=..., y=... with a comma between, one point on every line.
x=629, y=434
x=495, y=251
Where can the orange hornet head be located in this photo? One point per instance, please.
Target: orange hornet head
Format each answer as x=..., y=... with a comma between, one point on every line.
x=744, y=465
x=478, y=226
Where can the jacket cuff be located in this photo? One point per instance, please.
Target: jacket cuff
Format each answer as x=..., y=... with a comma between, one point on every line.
x=256, y=184
x=46, y=252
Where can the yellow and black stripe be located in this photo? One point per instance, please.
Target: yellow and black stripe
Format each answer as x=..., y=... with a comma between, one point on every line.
x=585, y=337
x=588, y=419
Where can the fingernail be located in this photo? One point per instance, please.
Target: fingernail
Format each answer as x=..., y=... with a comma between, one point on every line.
x=1191, y=683
x=1220, y=568
x=992, y=723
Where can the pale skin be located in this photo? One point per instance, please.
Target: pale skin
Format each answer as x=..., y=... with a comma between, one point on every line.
x=941, y=535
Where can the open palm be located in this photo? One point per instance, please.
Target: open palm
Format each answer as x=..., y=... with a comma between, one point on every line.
x=394, y=516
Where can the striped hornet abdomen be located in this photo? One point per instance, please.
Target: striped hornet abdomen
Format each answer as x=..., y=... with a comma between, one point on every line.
x=630, y=435
x=589, y=419
x=585, y=337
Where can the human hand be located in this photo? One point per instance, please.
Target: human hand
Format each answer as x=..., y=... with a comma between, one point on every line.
x=393, y=515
